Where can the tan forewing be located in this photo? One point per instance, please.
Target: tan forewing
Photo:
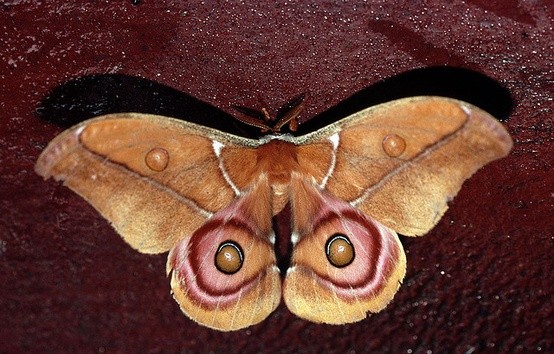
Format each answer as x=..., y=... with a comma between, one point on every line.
x=446, y=142
x=104, y=161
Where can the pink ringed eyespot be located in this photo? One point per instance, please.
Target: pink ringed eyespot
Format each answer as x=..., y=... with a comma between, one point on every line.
x=229, y=257
x=339, y=250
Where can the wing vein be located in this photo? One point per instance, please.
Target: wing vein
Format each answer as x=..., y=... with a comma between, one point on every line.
x=217, y=146
x=335, y=140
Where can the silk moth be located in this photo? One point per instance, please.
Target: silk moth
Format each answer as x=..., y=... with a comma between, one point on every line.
x=208, y=198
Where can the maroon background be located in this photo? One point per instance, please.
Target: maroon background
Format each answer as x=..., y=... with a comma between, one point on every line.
x=481, y=280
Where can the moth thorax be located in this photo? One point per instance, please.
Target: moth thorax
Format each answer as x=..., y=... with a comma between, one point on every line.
x=280, y=197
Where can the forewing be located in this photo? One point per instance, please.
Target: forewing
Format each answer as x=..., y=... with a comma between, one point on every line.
x=156, y=179
x=402, y=161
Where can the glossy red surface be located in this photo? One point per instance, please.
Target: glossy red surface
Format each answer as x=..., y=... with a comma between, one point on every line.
x=481, y=281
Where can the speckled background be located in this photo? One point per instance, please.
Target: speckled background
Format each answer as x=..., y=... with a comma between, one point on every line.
x=480, y=281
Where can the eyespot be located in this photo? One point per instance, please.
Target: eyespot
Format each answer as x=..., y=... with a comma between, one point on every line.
x=394, y=145
x=339, y=250
x=229, y=257
x=157, y=159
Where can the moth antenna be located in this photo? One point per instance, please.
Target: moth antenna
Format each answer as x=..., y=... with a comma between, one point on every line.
x=290, y=113
x=266, y=115
x=253, y=117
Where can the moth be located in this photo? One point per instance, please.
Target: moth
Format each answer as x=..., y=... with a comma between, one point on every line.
x=208, y=197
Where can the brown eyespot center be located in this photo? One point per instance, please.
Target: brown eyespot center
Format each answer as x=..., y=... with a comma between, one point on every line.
x=229, y=257
x=157, y=159
x=339, y=250
x=394, y=145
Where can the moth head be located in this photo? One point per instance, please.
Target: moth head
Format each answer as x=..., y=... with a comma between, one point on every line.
x=286, y=115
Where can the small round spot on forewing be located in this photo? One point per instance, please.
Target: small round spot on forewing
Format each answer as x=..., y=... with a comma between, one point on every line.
x=339, y=250
x=229, y=257
x=157, y=159
x=394, y=145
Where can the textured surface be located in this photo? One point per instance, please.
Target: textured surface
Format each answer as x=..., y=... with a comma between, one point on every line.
x=481, y=279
